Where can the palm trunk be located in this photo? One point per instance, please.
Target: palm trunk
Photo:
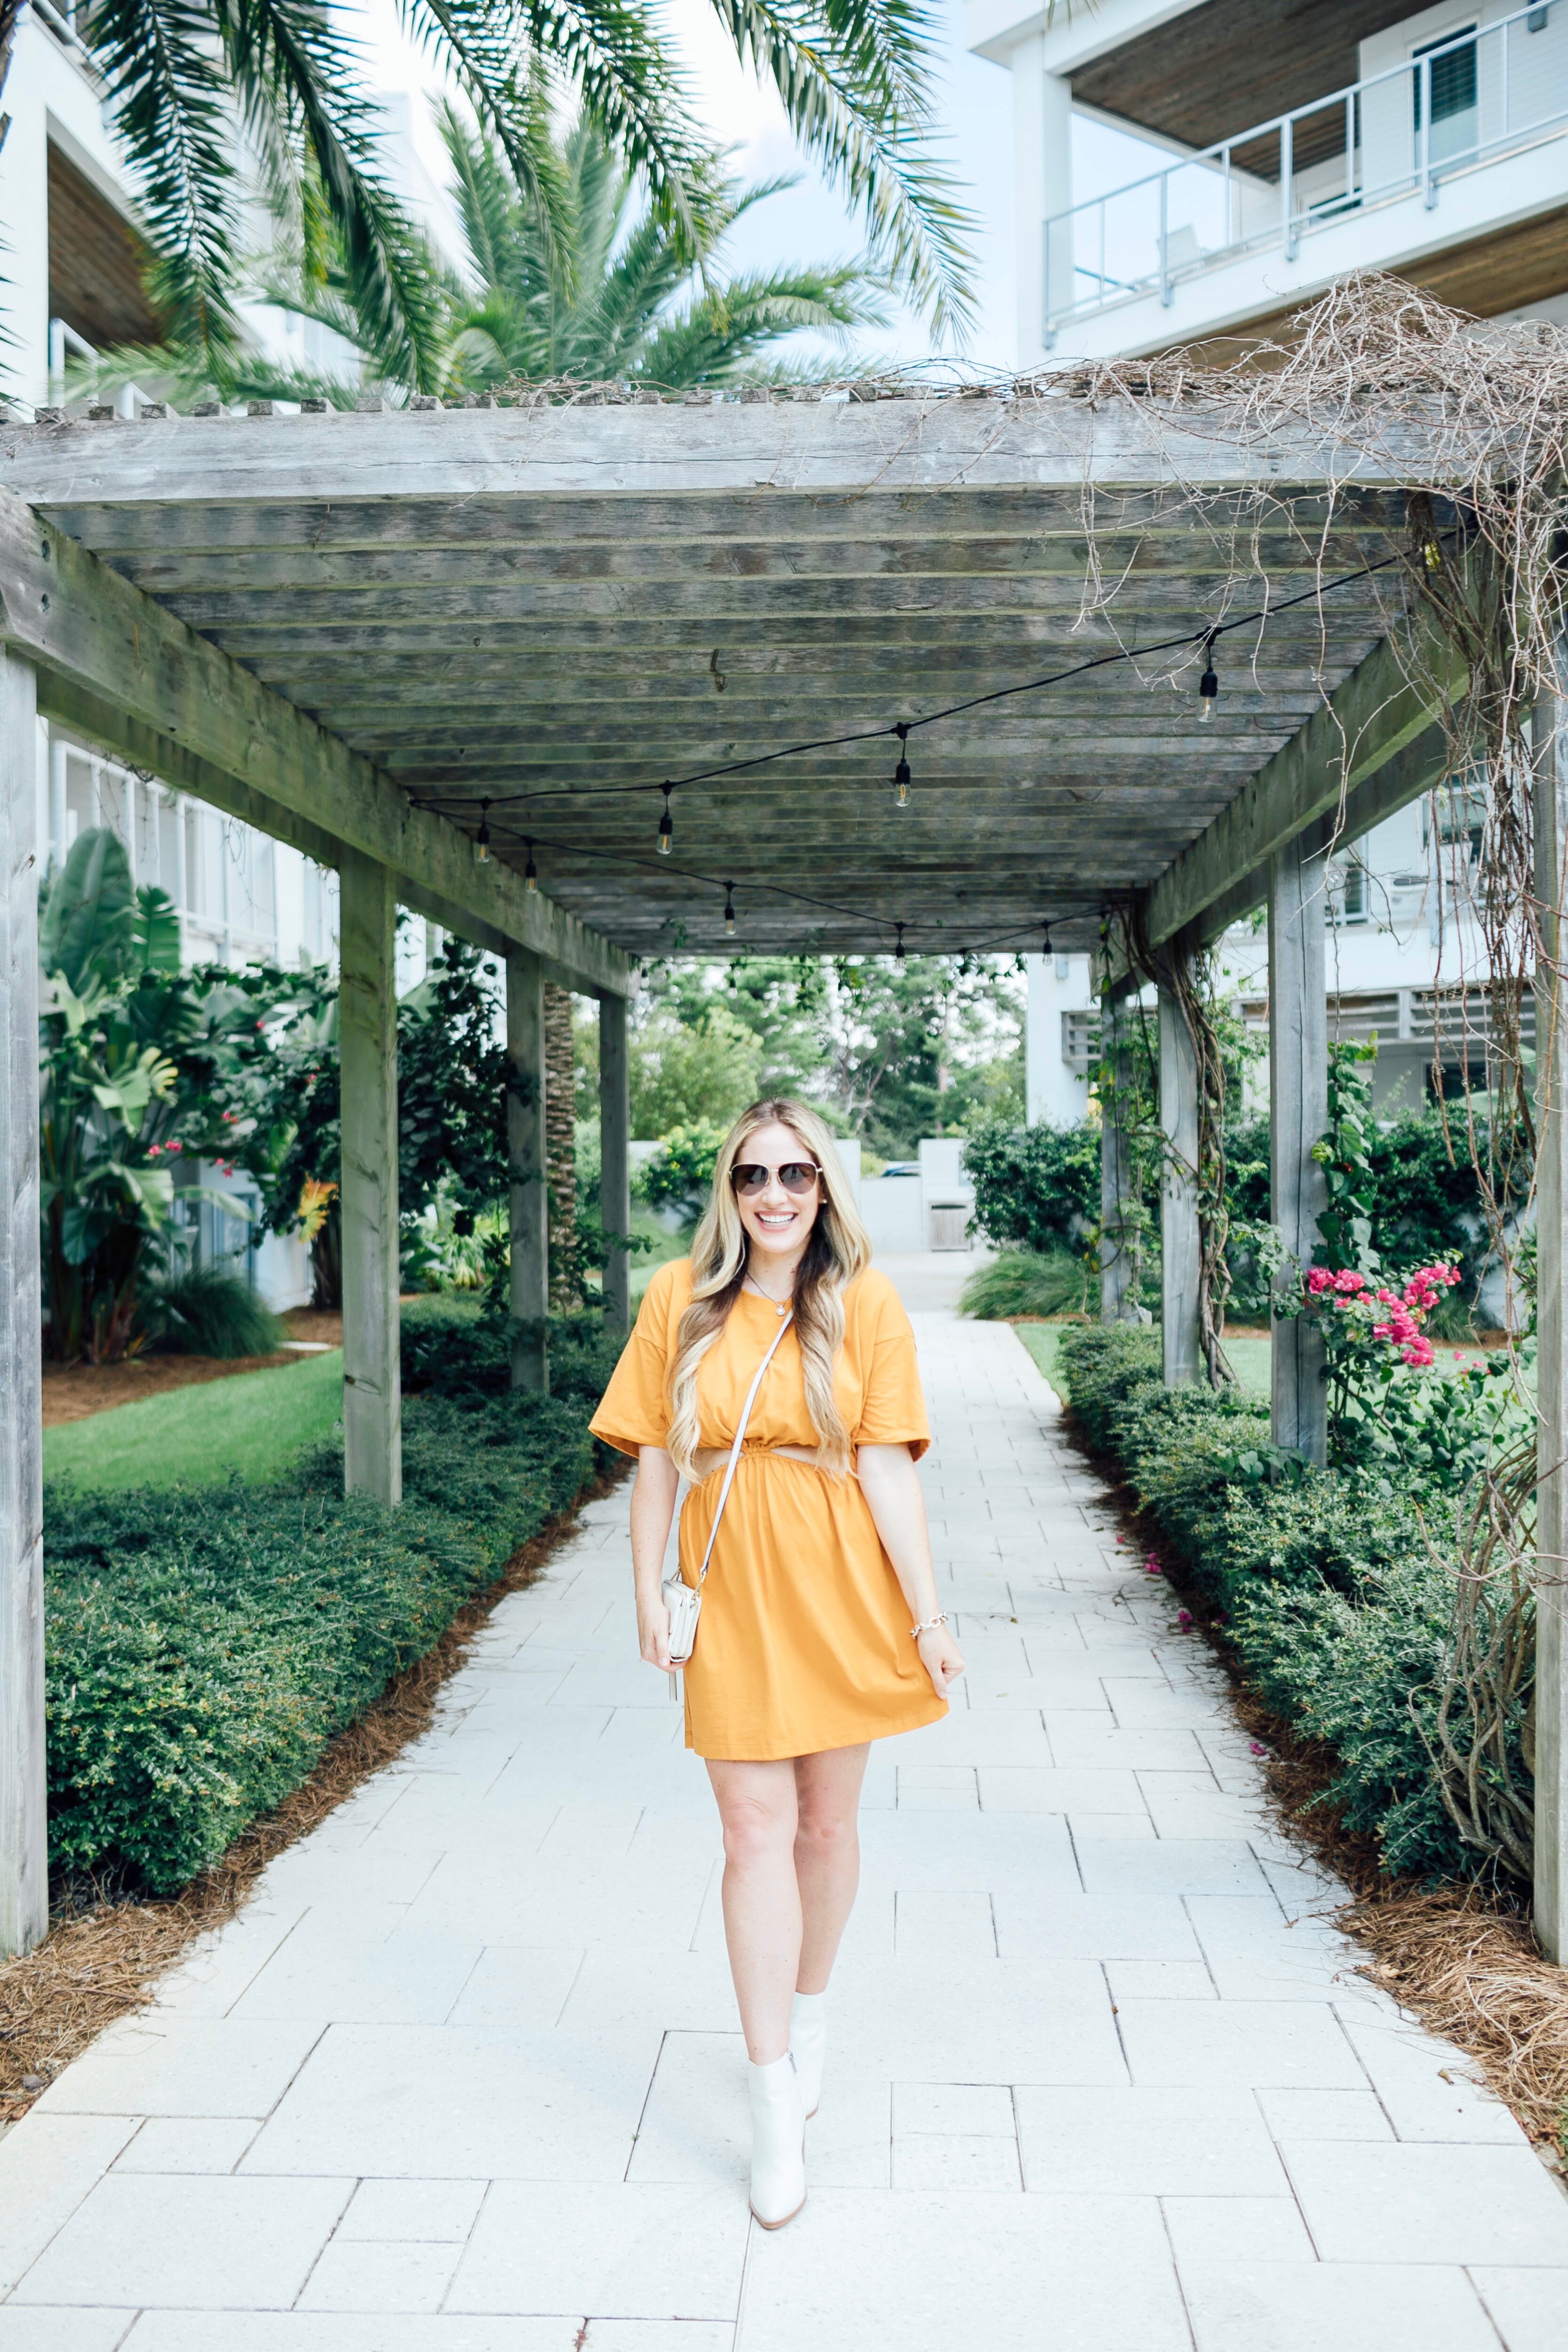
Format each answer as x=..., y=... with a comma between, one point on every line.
x=559, y=1150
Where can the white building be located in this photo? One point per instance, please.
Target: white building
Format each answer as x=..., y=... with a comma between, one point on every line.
x=1286, y=145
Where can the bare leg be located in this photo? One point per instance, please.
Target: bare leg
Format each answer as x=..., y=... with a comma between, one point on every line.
x=761, y=1900
x=826, y=1855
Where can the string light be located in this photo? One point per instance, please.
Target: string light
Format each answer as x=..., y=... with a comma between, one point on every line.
x=482, y=843
x=1208, y=685
x=531, y=871
x=728, y=910
x=665, y=826
x=1045, y=948
x=901, y=772
x=898, y=950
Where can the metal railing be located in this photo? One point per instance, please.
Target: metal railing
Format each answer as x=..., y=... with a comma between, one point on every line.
x=1469, y=100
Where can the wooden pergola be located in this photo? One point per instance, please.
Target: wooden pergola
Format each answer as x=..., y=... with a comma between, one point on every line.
x=376, y=635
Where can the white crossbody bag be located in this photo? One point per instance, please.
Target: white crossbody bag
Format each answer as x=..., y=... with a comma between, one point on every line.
x=684, y=1601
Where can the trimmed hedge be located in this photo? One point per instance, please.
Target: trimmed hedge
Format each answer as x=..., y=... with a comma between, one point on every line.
x=204, y=1645
x=1327, y=1587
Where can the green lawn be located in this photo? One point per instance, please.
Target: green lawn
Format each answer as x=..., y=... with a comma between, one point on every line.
x=1249, y=1357
x=195, y=1436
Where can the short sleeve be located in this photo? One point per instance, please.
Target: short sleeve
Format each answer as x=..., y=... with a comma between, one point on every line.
x=892, y=1411
x=633, y=1410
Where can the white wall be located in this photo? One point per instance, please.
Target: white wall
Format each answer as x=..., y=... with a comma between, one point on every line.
x=1053, y=1093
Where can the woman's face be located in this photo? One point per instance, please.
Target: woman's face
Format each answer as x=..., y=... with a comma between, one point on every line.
x=778, y=1222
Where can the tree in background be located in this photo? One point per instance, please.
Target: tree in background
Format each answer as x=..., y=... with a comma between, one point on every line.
x=924, y=1048
x=854, y=76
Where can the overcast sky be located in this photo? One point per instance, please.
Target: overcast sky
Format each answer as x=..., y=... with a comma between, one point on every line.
x=809, y=223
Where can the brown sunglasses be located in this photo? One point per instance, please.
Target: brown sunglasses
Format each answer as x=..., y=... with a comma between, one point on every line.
x=798, y=1176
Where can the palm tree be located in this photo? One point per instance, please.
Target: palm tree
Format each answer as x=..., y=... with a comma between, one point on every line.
x=603, y=297
x=600, y=286
x=184, y=75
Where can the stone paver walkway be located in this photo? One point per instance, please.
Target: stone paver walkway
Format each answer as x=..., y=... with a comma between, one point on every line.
x=466, y=2077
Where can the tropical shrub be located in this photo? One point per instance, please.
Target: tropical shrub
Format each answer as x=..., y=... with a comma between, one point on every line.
x=205, y=1313
x=1037, y=1186
x=128, y=1048
x=680, y=1174
x=1025, y=1281
x=1335, y=1591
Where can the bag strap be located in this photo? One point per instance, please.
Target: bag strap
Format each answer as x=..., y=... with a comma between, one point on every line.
x=735, y=1448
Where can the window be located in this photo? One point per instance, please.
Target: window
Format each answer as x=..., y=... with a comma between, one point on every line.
x=1452, y=74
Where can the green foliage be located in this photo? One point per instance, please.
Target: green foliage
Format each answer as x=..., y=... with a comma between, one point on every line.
x=205, y=1313
x=460, y=1345
x=1025, y=1281
x=681, y=1172
x=1034, y=1185
x=697, y=1072
x=128, y=1047
x=205, y=1645
x=929, y=1046
x=599, y=285
x=1337, y=1601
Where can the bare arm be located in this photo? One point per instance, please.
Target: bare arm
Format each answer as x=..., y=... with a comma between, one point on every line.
x=890, y=1484
x=653, y=1491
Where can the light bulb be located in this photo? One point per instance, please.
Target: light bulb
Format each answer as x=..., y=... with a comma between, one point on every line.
x=531, y=871
x=901, y=776
x=666, y=826
x=898, y=950
x=728, y=910
x=1208, y=685
x=482, y=843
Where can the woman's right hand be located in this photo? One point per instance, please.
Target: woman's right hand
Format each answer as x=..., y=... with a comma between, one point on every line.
x=653, y=1630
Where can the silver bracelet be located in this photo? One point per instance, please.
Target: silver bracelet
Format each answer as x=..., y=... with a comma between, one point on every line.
x=929, y=1626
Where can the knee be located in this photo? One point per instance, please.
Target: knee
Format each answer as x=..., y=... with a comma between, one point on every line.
x=825, y=1833
x=754, y=1834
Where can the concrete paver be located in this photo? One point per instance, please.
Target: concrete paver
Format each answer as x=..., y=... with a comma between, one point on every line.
x=466, y=2074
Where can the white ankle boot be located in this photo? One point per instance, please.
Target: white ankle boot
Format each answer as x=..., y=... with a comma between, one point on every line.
x=808, y=2046
x=778, y=2144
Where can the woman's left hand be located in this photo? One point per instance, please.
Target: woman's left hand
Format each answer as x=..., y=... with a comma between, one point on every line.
x=942, y=1658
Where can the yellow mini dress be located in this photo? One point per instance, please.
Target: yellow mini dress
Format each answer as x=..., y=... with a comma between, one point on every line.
x=804, y=1643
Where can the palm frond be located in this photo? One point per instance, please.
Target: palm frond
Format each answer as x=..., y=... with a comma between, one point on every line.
x=715, y=338
x=865, y=116
x=286, y=58
x=167, y=92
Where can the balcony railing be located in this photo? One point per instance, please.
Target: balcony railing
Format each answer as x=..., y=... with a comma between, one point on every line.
x=1491, y=90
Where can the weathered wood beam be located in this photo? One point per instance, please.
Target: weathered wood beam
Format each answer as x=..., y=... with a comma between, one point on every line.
x=93, y=638
x=367, y=1030
x=528, y=1192
x=1551, y=796
x=24, y=1780
x=1298, y=1115
x=1179, y=1254
x=801, y=447
x=1371, y=718
x=615, y=1155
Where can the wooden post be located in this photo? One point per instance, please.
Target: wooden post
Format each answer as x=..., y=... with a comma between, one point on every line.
x=1179, y=1252
x=614, y=1156
x=530, y=1200
x=367, y=1029
x=1297, y=1116
x=24, y=1855
x=1552, y=1329
x=1117, y=1302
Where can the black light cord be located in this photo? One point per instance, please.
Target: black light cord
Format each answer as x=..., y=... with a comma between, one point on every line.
x=1206, y=637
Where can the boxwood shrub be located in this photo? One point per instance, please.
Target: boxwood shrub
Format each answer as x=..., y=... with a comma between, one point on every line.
x=205, y=1645
x=1329, y=1588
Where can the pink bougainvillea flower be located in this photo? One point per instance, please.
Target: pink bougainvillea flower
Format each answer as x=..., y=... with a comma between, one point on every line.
x=1348, y=1283
x=1257, y=1748
x=173, y=1146
x=1185, y=1619
x=154, y=1151
x=1320, y=1280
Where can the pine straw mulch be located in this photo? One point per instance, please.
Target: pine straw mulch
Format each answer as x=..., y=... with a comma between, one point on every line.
x=1462, y=1959
x=104, y=1953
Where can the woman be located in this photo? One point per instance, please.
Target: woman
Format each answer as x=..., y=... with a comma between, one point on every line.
x=819, y=1628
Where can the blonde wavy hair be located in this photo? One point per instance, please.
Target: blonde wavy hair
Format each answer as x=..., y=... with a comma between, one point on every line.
x=838, y=1250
